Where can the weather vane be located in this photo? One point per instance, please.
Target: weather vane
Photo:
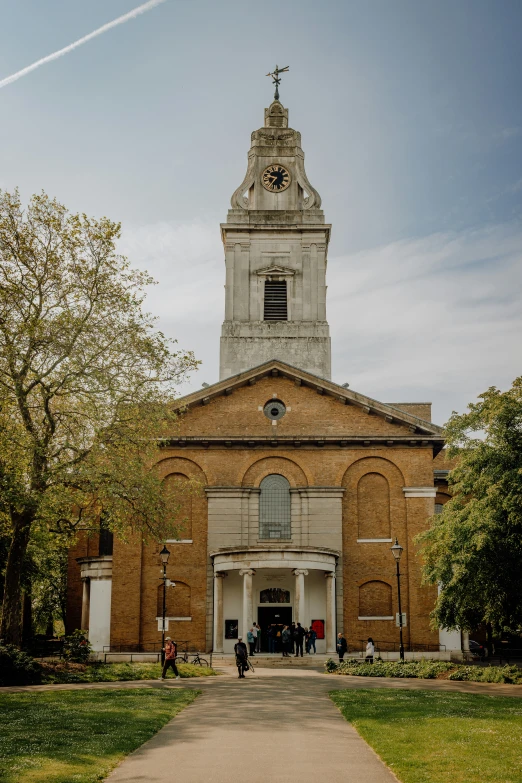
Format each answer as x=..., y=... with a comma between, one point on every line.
x=277, y=80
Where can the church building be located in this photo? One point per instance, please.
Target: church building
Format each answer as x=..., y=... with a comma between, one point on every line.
x=304, y=484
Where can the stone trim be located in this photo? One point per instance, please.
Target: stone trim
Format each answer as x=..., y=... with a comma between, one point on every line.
x=95, y=567
x=177, y=619
x=297, y=441
x=180, y=541
x=230, y=492
x=419, y=492
x=374, y=540
x=250, y=559
x=390, y=617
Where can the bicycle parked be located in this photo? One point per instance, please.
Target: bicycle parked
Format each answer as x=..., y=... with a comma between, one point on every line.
x=197, y=660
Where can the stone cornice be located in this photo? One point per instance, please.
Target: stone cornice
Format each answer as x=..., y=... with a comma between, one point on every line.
x=306, y=441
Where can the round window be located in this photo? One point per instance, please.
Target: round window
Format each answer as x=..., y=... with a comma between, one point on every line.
x=274, y=409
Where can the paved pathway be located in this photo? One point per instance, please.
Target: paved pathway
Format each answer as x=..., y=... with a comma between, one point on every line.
x=266, y=727
x=276, y=725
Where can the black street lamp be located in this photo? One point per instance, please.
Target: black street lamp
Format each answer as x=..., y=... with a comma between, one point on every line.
x=164, y=555
x=396, y=551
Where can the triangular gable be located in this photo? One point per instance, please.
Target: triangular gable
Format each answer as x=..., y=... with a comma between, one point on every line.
x=346, y=396
x=275, y=271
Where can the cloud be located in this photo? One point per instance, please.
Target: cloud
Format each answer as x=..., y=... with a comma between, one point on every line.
x=187, y=262
x=433, y=318
x=437, y=318
x=69, y=48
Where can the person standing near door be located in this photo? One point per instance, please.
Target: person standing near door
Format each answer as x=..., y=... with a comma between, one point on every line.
x=251, y=639
x=271, y=632
x=342, y=646
x=312, y=636
x=285, y=636
x=299, y=635
x=257, y=630
x=292, y=638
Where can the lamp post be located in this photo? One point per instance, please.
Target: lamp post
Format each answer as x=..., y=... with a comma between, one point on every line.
x=396, y=551
x=164, y=555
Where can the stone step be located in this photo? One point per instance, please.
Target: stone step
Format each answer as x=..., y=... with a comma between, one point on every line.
x=274, y=661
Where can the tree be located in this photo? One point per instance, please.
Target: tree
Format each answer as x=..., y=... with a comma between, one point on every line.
x=473, y=549
x=86, y=381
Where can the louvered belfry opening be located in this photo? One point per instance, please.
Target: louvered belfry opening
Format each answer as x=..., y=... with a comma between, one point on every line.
x=275, y=301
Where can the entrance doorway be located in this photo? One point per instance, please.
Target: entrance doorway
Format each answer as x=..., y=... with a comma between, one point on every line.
x=273, y=615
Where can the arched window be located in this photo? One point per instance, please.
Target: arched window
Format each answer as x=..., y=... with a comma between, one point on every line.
x=177, y=600
x=179, y=500
x=375, y=599
x=274, y=508
x=373, y=506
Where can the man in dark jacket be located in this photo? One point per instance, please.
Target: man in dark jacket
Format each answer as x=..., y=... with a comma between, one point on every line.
x=342, y=646
x=240, y=650
x=299, y=635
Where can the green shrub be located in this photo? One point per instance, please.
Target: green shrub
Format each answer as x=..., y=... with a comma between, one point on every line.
x=426, y=670
x=77, y=647
x=18, y=668
x=503, y=674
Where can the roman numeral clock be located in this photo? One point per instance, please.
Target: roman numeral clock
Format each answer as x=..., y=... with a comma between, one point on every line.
x=276, y=178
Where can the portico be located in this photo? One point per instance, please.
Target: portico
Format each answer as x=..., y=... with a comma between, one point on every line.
x=298, y=583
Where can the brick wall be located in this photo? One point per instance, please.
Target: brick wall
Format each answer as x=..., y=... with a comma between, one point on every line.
x=372, y=477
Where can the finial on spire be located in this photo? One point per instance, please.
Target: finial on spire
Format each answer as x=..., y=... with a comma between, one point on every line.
x=277, y=80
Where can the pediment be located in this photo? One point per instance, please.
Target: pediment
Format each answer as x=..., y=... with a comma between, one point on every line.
x=362, y=419
x=275, y=271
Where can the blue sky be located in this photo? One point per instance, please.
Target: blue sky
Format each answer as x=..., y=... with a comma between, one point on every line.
x=411, y=120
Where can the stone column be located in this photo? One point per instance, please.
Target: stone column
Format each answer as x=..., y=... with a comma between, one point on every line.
x=85, y=606
x=330, y=613
x=247, y=574
x=218, y=611
x=300, y=574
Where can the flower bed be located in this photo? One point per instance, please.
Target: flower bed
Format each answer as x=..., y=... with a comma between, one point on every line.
x=426, y=670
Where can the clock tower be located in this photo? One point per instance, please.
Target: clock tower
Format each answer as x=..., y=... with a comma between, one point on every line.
x=276, y=243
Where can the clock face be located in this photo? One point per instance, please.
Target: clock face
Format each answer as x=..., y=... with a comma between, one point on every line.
x=275, y=178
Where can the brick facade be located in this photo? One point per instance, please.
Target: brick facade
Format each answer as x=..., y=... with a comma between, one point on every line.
x=227, y=442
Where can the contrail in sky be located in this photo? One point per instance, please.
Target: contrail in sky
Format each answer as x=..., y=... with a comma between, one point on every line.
x=141, y=9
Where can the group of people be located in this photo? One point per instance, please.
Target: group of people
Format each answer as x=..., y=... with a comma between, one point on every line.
x=286, y=639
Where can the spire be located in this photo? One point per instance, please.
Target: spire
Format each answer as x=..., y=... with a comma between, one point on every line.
x=276, y=79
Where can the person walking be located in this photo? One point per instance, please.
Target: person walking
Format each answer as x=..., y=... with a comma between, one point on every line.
x=251, y=639
x=285, y=636
x=370, y=650
x=240, y=650
x=312, y=636
x=342, y=646
x=170, y=650
x=298, y=638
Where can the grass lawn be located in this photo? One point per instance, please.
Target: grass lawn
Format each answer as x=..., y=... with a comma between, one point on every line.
x=111, y=672
x=79, y=736
x=430, y=737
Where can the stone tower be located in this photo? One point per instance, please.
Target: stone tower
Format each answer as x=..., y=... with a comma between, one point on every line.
x=276, y=244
